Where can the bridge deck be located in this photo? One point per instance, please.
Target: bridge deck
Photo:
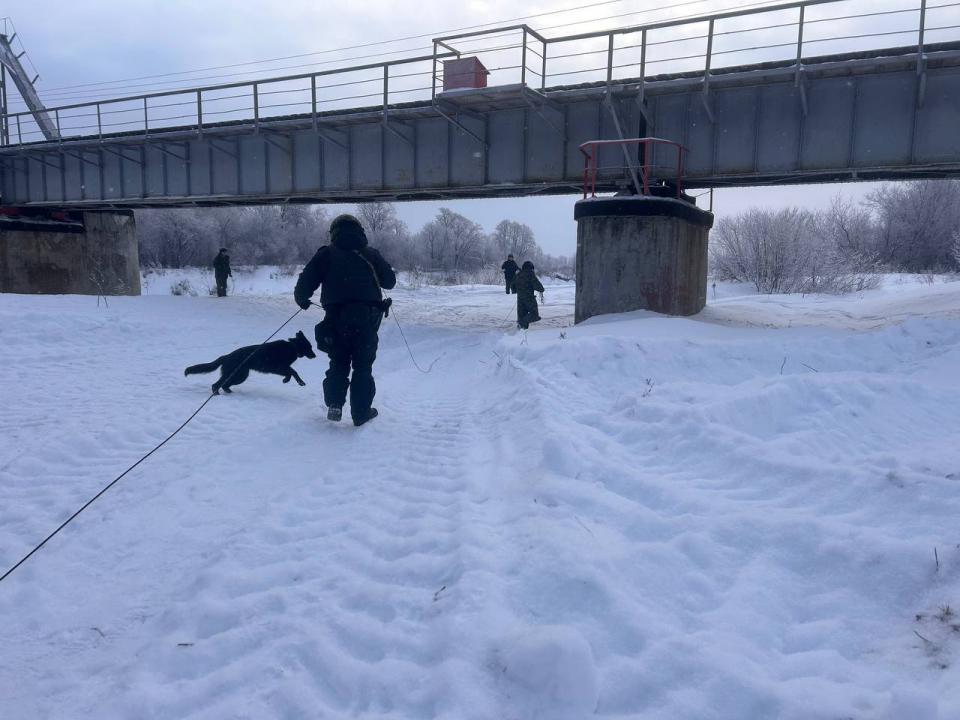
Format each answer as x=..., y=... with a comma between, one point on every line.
x=853, y=116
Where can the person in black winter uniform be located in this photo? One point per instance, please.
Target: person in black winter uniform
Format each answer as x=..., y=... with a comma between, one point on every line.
x=525, y=284
x=221, y=269
x=351, y=275
x=510, y=268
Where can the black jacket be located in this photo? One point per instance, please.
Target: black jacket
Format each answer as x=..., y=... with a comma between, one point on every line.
x=345, y=270
x=525, y=284
x=221, y=265
x=510, y=268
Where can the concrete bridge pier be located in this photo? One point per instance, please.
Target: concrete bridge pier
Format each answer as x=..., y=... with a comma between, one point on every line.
x=640, y=253
x=55, y=252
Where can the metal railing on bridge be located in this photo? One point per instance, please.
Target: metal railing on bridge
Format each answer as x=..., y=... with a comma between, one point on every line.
x=756, y=32
x=591, y=164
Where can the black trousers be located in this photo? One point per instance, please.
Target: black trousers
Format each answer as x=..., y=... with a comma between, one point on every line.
x=509, y=279
x=221, y=285
x=354, y=347
x=527, y=311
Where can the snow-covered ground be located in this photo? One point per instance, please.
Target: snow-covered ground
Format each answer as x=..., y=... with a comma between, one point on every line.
x=731, y=516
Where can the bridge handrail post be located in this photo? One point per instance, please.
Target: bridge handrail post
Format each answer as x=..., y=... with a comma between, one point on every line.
x=609, y=63
x=923, y=22
x=146, y=119
x=19, y=132
x=433, y=75
x=99, y=124
x=200, y=114
x=523, y=59
x=386, y=90
x=643, y=68
x=56, y=115
x=543, y=68
x=256, y=108
x=800, y=39
x=313, y=101
x=706, y=69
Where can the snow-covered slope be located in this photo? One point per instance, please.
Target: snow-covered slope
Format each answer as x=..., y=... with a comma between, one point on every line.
x=637, y=517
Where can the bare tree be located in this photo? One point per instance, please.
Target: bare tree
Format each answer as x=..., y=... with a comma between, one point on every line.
x=510, y=237
x=916, y=222
x=794, y=250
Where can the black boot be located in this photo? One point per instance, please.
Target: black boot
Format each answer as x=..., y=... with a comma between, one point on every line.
x=335, y=414
x=371, y=414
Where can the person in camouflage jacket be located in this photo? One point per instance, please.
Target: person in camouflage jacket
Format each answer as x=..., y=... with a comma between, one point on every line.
x=525, y=283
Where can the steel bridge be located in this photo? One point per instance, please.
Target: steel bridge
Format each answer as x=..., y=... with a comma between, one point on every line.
x=793, y=93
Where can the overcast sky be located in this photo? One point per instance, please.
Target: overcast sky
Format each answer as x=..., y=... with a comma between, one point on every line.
x=97, y=41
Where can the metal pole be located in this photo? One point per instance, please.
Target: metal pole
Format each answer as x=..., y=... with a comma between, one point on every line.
x=5, y=125
x=609, y=63
x=99, y=124
x=923, y=22
x=643, y=66
x=199, y=114
x=256, y=108
x=711, y=199
x=706, y=72
x=386, y=91
x=19, y=133
x=586, y=173
x=313, y=100
x=800, y=37
x=56, y=115
x=645, y=144
x=543, y=69
x=433, y=75
x=596, y=163
x=679, y=168
x=146, y=119
x=523, y=59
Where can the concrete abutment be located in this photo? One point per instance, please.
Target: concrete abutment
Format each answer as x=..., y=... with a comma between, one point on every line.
x=641, y=253
x=84, y=253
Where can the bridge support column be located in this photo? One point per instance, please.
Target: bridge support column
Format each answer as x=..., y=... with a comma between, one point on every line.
x=640, y=253
x=52, y=253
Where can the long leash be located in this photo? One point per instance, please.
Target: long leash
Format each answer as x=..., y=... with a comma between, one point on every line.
x=164, y=442
x=397, y=321
x=512, y=311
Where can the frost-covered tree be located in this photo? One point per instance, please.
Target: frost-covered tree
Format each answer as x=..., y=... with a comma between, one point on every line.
x=915, y=223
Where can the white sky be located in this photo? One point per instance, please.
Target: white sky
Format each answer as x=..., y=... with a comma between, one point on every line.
x=95, y=41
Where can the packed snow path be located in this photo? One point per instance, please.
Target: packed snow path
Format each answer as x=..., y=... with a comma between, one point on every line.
x=646, y=517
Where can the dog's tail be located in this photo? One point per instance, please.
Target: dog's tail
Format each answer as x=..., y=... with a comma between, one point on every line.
x=203, y=367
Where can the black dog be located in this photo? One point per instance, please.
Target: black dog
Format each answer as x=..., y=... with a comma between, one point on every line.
x=276, y=358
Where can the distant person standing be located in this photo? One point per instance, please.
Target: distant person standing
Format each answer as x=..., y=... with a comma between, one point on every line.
x=221, y=270
x=524, y=284
x=510, y=268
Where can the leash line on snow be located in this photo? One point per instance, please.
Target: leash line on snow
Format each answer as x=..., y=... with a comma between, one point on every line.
x=397, y=321
x=515, y=303
x=162, y=443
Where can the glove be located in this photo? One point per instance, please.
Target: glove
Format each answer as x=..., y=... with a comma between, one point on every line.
x=385, y=306
x=304, y=303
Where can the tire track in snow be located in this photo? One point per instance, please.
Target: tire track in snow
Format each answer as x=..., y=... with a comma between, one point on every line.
x=344, y=577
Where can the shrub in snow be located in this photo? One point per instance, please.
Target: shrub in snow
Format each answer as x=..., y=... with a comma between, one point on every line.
x=183, y=287
x=792, y=251
x=414, y=278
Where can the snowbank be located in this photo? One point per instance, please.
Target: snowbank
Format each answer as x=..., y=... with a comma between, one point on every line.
x=728, y=516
